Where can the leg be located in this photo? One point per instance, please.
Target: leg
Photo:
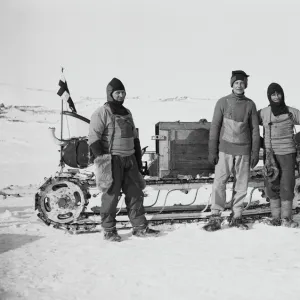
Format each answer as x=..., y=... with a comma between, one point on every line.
x=109, y=200
x=242, y=173
x=134, y=195
x=222, y=172
x=273, y=193
x=287, y=184
x=275, y=205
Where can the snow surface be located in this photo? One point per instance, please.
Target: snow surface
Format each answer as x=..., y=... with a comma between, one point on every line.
x=185, y=262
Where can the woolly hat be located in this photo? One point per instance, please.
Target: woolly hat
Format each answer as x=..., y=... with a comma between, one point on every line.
x=239, y=75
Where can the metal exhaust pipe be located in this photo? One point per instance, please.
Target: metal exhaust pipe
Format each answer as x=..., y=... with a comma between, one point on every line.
x=57, y=141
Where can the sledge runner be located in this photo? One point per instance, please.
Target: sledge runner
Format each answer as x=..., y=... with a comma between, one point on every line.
x=234, y=142
x=278, y=121
x=116, y=147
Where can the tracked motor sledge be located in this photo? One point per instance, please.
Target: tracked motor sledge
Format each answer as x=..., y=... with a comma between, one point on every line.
x=179, y=163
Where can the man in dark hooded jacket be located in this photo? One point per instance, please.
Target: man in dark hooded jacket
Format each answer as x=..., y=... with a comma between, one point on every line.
x=278, y=121
x=114, y=142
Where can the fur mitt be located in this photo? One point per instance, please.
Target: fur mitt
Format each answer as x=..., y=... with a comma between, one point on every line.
x=270, y=170
x=103, y=172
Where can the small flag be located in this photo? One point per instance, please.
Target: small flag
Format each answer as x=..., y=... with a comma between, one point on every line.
x=64, y=93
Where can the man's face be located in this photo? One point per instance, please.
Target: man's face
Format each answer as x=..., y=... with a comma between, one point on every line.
x=238, y=87
x=119, y=95
x=276, y=97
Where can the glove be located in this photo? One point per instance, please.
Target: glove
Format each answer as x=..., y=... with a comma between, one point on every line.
x=96, y=148
x=213, y=158
x=254, y=160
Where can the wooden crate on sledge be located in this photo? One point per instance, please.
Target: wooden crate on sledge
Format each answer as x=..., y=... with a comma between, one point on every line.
x=181, y=149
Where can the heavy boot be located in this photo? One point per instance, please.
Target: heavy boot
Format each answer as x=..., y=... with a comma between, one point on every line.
x=275, y=205
x=214, y=223
x=286, y=214
x=289, y=222
x=239, y=223
x=112, y=235
x=273, y=222
x=144, y=232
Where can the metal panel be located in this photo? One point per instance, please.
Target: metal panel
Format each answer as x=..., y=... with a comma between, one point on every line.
x=163, y=156
x=185, y=151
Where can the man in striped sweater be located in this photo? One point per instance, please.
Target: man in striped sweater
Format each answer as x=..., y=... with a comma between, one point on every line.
x=233, y=147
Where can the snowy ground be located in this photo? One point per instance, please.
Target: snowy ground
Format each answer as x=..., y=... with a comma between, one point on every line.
x=39, y=262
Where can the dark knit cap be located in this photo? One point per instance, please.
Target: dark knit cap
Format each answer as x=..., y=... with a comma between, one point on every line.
x=239, y=75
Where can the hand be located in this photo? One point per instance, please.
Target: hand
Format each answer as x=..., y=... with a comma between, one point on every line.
x=213, y=159
x=254, y=161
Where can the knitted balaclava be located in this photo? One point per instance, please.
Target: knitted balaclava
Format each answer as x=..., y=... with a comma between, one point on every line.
x=116, y=106
x=239, y=75
x=278, y=108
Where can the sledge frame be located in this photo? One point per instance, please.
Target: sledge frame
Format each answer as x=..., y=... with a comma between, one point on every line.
x=172, y=139
x=189, y=211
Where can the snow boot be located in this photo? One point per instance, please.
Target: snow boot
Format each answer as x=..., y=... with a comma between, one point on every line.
x=239, y=223
x=275, y=206
x=144, y=232
x=112, y=235
x=289, y=222
x=286, y=209
x=287, y=213
x=214, y=223
x=273, y=221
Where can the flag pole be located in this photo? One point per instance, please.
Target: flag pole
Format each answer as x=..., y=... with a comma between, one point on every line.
x=61, y=133
x=64, y=93
x=61, y=129
x=61, y=119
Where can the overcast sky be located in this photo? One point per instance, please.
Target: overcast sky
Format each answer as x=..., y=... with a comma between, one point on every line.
x=156, y=47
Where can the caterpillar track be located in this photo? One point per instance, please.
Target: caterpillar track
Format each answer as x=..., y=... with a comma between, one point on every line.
x=62, y=202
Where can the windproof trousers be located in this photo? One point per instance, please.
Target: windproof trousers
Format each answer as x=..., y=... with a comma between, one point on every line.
x=239, y=167
x=283, y=186
x=125, y=177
